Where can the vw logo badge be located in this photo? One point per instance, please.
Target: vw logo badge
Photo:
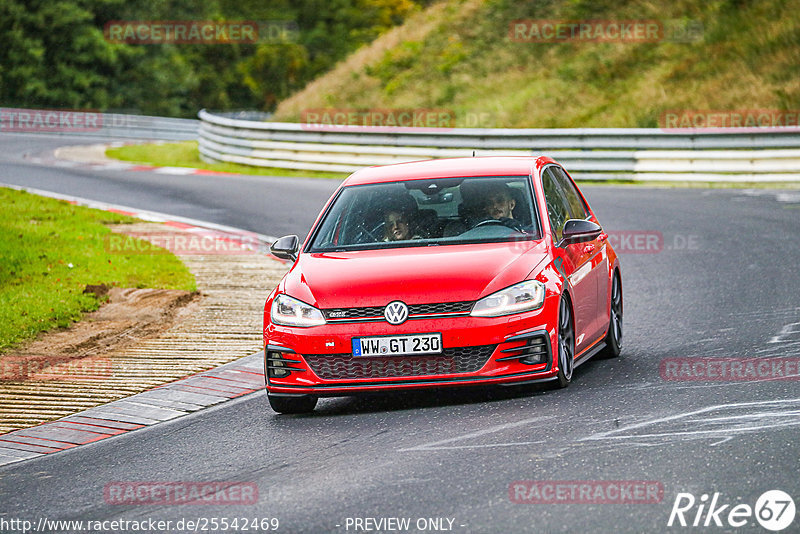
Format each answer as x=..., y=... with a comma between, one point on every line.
x=396, y=312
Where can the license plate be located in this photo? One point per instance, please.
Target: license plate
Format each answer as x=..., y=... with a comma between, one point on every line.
x=398, y=345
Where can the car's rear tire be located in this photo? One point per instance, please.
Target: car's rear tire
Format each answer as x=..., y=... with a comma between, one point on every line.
x=566, y=344
x=292, y=405
x=614, y=335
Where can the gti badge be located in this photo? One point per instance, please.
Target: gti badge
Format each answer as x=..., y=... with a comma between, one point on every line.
x=396, y=312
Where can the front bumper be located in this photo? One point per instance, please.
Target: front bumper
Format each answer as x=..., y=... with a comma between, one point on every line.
x=477, y=351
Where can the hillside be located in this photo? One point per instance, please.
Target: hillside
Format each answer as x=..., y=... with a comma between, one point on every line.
x=459, y=55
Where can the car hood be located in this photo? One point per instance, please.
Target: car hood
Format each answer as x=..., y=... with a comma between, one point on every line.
x=416, y=275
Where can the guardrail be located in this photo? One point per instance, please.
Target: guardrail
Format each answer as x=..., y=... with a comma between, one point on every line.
x=765, y=155
x=145, y=127
x=97, y=124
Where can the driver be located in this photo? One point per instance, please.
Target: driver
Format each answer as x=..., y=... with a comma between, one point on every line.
x=497, y=204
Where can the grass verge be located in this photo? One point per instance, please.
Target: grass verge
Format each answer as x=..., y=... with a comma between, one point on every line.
x=51, y=250
x=185, y=154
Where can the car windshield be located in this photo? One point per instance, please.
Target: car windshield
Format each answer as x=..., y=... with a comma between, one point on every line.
x=428, y=212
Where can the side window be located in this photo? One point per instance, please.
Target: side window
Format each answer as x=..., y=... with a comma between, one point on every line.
x=557, y=205
x=577, y=209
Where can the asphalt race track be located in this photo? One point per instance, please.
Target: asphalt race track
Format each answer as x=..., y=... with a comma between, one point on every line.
x=720, y=279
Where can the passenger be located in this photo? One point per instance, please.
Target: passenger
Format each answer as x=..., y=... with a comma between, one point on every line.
x=396, y=226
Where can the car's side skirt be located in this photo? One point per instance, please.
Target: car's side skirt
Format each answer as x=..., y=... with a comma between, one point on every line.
x=587, y=354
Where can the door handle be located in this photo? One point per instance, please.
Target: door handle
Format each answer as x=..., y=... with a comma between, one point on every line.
x=588, y=248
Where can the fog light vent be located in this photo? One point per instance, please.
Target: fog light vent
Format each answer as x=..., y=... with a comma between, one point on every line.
x=278, y=365
x=535, y=350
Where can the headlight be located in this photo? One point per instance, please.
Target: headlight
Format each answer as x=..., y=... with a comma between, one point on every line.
x=518, y=298
x=292, y=312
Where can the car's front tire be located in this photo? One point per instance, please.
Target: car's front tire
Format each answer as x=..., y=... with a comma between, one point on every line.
x=292, y=405
x=566, y=344
x=614, y=335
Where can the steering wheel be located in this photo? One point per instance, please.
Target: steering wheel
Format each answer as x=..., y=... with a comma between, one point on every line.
x=363, y=231
x=489, y=221
x=512, y=224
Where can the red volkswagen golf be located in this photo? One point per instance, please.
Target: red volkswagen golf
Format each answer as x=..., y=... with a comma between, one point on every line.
x=450, y=272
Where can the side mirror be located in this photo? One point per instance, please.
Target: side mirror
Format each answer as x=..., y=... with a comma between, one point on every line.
x=286, y=248
x=579, y=231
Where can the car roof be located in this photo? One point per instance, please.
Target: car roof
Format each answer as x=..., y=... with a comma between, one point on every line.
x=448, y=168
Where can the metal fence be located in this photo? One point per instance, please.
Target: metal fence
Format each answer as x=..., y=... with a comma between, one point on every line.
x=763, y=155
x=97, y=124
x=144, y=127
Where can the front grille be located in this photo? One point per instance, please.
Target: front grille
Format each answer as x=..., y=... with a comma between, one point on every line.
x=344, y=314
x=353, y=313
x=451, y=361
x=442, y=307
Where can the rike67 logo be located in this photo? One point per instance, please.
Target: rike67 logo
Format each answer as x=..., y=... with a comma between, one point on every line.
x=774, y=510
